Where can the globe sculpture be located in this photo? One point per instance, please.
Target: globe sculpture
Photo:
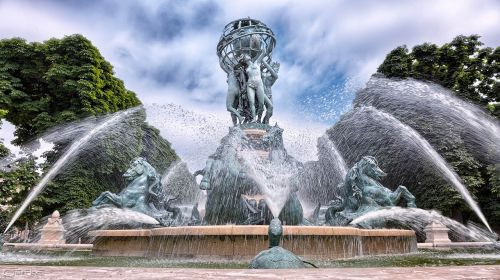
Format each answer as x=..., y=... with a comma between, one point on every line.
x=245, y=54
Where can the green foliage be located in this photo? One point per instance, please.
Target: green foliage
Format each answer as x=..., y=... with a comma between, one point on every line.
x=462, y=65
x=3, y=150
x=46, y=84
x=14, y=187
x=60, y=80
x=397, y=62
x=491, y=201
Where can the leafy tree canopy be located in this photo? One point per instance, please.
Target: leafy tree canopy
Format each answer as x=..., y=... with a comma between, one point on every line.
x=462, y=65
x=55, y=82
x=59, y=80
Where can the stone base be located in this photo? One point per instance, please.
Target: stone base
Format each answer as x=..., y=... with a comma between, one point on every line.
x=436, y=233
x=245, y=242
x=454, y=245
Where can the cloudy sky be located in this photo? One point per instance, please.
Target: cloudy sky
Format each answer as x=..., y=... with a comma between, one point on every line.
x=165, y=50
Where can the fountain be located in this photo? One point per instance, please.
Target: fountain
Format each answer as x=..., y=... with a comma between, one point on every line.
x=251, y=182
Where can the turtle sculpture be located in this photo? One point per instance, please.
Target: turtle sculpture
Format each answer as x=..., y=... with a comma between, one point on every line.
x=277, y=257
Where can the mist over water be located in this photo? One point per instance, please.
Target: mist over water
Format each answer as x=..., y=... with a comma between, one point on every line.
x=327, y=157
x=79, y=222
x=417, y=219
x=195, y=135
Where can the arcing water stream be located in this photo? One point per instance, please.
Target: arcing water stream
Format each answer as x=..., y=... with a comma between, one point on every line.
x=393, y=120
x=414, y=137
x=63, y=160
x=417, y=219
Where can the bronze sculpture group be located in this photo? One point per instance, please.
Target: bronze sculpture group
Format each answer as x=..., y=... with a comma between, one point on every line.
x=245, y=54
x=245, y=51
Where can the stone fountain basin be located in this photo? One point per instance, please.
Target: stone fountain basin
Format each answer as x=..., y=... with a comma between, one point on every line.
x=236, y=242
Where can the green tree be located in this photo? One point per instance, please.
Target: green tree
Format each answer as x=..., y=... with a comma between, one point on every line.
x=3, y=150
x=60, y=80
x=14, y=187
x=43, y=85
x=463, y=65
x=397, y=63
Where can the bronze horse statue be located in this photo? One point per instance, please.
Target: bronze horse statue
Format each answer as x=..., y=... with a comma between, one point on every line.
x=362, y=192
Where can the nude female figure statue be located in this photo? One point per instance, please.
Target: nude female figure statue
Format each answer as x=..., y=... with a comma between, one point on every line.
x=233, y=92
x=255, y=86
x=269, y=78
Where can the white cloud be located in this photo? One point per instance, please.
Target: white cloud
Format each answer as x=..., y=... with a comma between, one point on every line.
x=165, y=50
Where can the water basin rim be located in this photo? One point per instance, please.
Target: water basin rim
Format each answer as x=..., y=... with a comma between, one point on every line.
x=242, y=230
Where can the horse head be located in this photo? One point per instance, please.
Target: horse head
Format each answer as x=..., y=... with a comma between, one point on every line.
x=136, y=169
x=368, y=166
x=140, y=167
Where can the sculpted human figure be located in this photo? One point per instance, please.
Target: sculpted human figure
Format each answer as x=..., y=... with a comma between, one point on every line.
x=269, y=78
x=255, y=86
x=233, y=93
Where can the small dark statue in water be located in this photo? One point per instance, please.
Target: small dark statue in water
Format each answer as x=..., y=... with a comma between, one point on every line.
x=276, y=257
x=141, y=194
x=361, y=192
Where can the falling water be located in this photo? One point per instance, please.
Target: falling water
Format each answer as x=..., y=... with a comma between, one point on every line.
x=417, y=219
x=68, y=155
x=333, y=155
x=195, y=135
x=437, y=110
x=179, y=184
x=272, y=178
x=79, y=222
x=414, y=137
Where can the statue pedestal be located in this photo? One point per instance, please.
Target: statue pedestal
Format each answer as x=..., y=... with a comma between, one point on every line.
x=53, y=231
x=436, y=232
x=255, y=136
x=52, y=239
x=253, y=133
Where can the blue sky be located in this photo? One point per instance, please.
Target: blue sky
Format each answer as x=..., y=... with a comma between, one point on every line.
x=165, y=50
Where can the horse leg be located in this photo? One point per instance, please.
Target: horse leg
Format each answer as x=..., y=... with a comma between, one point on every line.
x=403, y=191
x=205, y=181
x=107, y=197
x=410, y=198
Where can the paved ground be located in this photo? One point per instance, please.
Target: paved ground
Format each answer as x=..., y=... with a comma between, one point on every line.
x=109, y=273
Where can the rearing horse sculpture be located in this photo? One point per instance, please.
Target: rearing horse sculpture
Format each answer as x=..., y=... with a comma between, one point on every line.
x=362, y=192
x=136, y=195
